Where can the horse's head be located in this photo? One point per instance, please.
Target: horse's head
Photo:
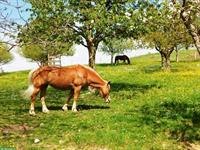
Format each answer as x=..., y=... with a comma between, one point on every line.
x=104, y=91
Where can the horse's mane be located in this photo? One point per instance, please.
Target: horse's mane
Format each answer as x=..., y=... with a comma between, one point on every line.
x=92, y=71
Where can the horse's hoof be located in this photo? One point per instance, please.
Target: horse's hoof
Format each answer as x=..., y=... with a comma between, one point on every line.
x=46, y=111
x=32, y=112
x=65, y=108
x=74, y=110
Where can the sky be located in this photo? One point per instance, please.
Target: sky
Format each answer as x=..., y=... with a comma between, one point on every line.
x=11, y=9
x=15, y=11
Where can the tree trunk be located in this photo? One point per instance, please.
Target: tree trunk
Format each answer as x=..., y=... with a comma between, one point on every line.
x=165, y=54
x=193, y=31
x=111, y=59
x=167, y=63
x=162, y=60
x=177, y=55
x=92, y=47
x=92, y=56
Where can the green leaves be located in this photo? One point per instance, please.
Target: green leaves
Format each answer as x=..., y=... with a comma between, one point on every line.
x=83, y=22
x=47, y=32
x=5, y=55
x=114, y=46
x=38, y=53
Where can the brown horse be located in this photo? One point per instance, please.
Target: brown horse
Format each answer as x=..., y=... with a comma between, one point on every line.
x=122, y=57
x=72, y=77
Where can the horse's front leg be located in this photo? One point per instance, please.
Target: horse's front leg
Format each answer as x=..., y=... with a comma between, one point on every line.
x=65, y=107
x=76, y=94
x=42, y=98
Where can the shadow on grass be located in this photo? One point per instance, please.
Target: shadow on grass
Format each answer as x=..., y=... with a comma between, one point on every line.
x=4, y=73
x=79, y=107
x=113, y=65
x=88, y=107
x=106, y=65
x=180, y=119
x=157, y=68
x=116, y=87
x=152, y=69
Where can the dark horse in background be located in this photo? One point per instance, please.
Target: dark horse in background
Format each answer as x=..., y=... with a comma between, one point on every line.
x=122, y=57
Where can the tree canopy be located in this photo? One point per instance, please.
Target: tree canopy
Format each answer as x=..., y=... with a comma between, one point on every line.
x=189, y=11
x=39, y=54
x=84, y=22
x=115, y=46
x=90, y=22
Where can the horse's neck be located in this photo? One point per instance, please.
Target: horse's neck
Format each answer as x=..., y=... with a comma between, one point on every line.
x=95, y=78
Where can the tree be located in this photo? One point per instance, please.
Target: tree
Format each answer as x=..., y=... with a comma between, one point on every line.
x=190, y=14
x=5, y=56
x=89, y=21
x=40, y=55
x=116, y=46
x=166, y=32
x=185, y=43
x=38, y=41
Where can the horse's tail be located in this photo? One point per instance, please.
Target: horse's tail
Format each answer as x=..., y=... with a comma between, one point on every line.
x=29, y=91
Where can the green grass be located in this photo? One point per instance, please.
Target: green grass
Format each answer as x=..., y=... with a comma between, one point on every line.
x=150, y=109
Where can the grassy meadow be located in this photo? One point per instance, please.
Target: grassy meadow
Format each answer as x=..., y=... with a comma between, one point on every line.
x=150, y=110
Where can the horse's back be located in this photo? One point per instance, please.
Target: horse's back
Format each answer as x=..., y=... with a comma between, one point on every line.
x=61, y=77
x=69, y=76
x=64, y=77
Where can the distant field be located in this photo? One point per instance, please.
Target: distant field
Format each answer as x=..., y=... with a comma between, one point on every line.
x=150, y=109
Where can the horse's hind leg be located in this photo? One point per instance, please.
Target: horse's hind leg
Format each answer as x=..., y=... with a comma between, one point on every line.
x=42, y=98
x=33, y=97
x=76, y=94
x=65, y=108
x=115, y=61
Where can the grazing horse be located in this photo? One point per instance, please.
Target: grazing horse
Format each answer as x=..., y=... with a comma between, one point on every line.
x=71, y=77
x=122, y=57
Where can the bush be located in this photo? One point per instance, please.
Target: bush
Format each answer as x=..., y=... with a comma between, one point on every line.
x=5, y=55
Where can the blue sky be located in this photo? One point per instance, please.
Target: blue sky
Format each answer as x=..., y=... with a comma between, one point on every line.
x=13, y=12
x=19, y=16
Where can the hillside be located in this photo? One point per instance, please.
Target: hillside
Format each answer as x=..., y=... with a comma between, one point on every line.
x=150, y=109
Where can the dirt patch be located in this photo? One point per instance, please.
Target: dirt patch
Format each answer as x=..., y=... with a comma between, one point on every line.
x=14, y=131
x=12, y=128
x=191, y=146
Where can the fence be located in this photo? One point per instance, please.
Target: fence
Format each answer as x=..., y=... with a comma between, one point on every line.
x=54, y=60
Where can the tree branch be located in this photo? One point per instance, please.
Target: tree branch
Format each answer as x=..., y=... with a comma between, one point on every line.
x=11, y=45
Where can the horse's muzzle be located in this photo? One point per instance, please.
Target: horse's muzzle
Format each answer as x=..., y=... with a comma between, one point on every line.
x=108, y=100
